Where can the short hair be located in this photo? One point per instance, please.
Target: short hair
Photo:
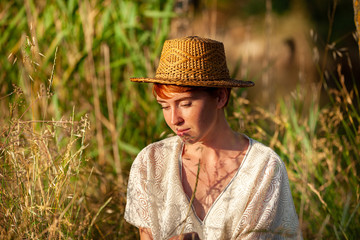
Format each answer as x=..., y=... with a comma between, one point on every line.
x=163, y=90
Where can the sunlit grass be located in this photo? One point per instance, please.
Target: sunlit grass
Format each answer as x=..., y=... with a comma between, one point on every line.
x=320, y=146
x=61, y=179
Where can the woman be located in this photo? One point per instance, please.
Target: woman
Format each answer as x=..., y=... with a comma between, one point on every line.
x=207, y=182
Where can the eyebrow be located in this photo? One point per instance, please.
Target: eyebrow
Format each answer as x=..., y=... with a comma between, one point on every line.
x=177, y=100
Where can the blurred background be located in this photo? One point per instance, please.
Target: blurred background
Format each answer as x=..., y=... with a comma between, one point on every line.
x=275, y=43
x=72, y=123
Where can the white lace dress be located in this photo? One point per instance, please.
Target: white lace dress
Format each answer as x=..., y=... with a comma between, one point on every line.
x=256, y=204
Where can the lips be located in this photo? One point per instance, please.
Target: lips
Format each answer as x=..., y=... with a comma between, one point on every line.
x=181, y=132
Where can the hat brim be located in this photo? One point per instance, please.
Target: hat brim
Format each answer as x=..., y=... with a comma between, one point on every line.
x=193, y=83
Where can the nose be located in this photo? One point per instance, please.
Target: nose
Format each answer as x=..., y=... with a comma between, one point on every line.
x=176, y=118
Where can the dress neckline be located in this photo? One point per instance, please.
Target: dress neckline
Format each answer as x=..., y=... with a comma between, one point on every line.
x=202, y=222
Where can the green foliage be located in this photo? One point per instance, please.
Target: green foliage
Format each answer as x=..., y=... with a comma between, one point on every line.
x=41, y=176
x=320, y=146
x=68, y=58
x=65, y=59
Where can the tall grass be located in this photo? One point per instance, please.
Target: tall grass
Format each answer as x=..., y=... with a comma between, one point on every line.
x=61, y=178
x=43, y=184
x=320, y=146
x=100, y=45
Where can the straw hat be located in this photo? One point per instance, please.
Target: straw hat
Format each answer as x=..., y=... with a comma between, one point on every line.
x=194, y=61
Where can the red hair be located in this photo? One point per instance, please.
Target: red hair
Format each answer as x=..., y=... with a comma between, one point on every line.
x=163, y=90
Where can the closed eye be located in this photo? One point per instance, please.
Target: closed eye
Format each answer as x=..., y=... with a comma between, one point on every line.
x=185, y=104
x=164, y=107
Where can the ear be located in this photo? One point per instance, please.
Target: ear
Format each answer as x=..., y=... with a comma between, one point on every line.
x=222, y=98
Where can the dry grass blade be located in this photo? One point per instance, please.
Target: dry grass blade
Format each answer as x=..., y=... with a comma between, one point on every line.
x=191, y=201
x=97, y=214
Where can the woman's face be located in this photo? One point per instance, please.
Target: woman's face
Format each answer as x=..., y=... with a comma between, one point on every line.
x=191, y=115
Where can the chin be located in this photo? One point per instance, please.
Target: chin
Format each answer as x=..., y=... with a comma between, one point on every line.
x=188, y=139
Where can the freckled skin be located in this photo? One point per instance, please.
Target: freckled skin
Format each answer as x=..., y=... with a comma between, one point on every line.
x=195, y=112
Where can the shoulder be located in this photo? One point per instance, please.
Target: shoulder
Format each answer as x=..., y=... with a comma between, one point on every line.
x=261, y=149
x=156, y=153
x=161, y=147
x=170, y=141
x=264, y=156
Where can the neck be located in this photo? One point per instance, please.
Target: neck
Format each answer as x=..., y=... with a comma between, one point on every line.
x=219, y=143
x=221, y=137
x=218, y=154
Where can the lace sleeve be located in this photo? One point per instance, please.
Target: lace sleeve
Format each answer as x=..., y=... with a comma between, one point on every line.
x=137, y=205
x=270, y=213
